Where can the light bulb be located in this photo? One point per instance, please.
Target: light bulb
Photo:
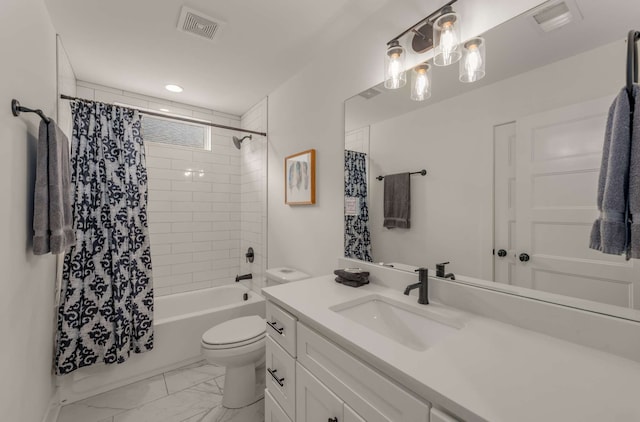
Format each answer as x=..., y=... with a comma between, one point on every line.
x=449, y=42
x=394, y=75
x=420, y=82
x=473, y=60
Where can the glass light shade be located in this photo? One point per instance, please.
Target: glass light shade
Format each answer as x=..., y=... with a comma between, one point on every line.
x=394, y=75
x=446, y=38
x=473, y=60
x=421, y=82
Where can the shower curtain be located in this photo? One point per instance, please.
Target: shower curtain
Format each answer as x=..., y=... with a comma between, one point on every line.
x=357, y=239
x=106, y=302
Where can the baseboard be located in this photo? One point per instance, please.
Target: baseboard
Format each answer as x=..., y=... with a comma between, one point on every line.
x=53, y=410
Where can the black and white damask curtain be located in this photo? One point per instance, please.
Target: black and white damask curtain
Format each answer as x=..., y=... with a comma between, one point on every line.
x=106, y=303
x=357, y=239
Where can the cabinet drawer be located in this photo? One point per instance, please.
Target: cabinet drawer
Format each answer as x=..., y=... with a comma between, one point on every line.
x=374, y=397
x=272, y=410
x=280, y=377
x=281, y=326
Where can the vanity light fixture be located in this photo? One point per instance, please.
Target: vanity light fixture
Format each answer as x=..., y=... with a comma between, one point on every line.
x=473, y=58
x=173, y=88
x=439, y=31
x=421, y=82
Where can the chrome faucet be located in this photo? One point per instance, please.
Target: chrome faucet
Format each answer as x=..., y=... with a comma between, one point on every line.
x=422, y=285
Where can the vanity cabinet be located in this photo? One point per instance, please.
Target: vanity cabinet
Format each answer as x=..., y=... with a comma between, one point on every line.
x=314, y=380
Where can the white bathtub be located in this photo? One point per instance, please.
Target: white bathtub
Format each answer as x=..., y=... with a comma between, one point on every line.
x=179, y=322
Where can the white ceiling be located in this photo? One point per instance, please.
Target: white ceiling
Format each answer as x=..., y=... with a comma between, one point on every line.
x=134, y=45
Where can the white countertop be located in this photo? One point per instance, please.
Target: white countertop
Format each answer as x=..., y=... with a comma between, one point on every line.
x=486, y=371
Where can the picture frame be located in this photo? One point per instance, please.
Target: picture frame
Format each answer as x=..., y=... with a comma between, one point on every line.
x=300, y=178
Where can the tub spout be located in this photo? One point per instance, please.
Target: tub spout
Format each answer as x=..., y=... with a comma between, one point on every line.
x=244, y=277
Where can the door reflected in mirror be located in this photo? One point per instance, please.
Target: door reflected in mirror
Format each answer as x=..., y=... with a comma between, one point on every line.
x=512, y=160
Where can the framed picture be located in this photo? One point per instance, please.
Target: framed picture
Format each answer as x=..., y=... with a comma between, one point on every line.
x=300, y=178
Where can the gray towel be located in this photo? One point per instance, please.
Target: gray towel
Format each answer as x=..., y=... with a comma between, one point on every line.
x=634, y=180
x=397, y=201
x=610, y=232
x=52, y=218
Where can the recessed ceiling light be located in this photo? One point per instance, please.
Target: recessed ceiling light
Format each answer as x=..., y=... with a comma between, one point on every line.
x=173, y=88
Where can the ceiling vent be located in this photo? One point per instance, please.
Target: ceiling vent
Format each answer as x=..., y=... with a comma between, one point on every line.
x=554, y=15
x=369, y=93
x=196, y=23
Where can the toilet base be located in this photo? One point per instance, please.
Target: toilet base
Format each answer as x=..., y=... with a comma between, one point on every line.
x=240, y=389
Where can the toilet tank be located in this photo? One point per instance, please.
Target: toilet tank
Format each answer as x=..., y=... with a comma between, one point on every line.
x=281, y=275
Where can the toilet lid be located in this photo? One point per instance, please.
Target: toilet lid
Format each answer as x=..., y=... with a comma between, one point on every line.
x=238, y=330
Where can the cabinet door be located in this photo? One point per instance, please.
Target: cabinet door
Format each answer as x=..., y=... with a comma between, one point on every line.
x=272, y=410
x=314, y=401
x=439, y=416
x=351, y=416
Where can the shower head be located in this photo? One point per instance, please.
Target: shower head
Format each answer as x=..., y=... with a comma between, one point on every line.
x=237, y=141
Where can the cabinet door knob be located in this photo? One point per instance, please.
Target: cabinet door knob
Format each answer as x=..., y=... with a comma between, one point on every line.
x=502, y=253
x=524, y=257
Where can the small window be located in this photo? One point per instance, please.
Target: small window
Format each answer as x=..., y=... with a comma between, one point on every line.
x=174, y=132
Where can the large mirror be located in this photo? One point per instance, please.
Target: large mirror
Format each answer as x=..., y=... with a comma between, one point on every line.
x=512, y=162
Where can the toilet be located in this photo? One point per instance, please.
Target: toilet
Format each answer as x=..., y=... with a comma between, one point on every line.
x=239, y=345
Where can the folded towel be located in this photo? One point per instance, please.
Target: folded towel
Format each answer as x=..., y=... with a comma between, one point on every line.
x=397, y=201
x=610, y=232
x=352, y=275
x=634, y=179
x=351, y=283
x=52, y=218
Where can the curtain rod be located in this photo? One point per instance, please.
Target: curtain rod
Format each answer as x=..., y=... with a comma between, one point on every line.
x=166, y=116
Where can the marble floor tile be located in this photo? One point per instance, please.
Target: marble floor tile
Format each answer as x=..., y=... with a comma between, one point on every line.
x=103, y=406
x=176, y=407
x=191, y=375
x=251, y=413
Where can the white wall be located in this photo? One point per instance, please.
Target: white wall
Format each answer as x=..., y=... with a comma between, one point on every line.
x=28, y=73
x=307, y=112
x=452, y=207
x=194, y=199
x=253, y=198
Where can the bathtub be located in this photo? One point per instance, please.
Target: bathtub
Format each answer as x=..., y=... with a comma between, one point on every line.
x=179, y=322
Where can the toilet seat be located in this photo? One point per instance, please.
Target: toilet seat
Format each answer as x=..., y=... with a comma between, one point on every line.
x=235, y=333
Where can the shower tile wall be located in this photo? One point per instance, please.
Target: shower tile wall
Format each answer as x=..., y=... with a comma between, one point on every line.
x=253, y=199
x=194, y=216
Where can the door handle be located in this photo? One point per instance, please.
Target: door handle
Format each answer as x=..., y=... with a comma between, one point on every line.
x=272, y=372
x=524, y=257
x=502, y=253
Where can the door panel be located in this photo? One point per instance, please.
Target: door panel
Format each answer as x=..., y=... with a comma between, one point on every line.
x=504, y=201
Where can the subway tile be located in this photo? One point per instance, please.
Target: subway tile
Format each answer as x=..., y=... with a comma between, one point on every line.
x=181, y=111
x=158, y=206
x=172, y=153
x=214, y=236
x=182, y=227
x=170, y=217
x=164, y=238
x=99, y=87
x=211, y=216
x=167, y=174
x=178, y=258
x=159, y=227
x=211, y=197
x=172, y=280
x=190, y=186
x=190, y=268
x=191, y=206
x=224, y=244
x=201, y=246
x=159, y=185
x=222, y=282
x=84, y=92
x=155, y=162
x=110, y=97
x=160, y=270
x=215, y=178
x=160, y=250
x=161, y=291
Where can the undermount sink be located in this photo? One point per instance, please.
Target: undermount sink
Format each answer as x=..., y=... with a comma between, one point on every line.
x=398, y=321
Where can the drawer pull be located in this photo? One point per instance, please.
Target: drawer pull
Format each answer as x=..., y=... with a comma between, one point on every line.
x=275, y=327
x=333, y=419
x=280, y=381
